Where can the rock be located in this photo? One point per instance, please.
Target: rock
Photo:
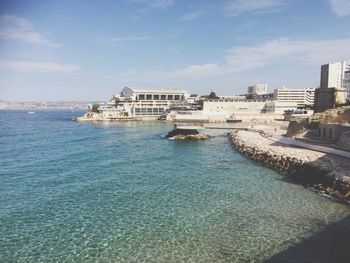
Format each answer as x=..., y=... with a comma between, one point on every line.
x=193, y=137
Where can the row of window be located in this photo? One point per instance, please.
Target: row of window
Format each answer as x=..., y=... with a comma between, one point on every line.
x=158, y=97
x=149, y=111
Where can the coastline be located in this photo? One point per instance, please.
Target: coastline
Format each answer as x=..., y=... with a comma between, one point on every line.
x=323, y=173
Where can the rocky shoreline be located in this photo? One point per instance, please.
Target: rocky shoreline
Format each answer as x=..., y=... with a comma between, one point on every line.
x=323, y=174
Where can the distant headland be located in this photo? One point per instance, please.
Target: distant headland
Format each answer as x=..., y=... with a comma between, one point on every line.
x=44, y=105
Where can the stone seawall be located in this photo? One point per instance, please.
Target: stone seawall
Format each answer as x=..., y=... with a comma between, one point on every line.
x=310, y=169
x=283, y=162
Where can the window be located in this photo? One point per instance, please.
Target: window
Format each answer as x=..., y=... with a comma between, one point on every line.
x=142, y=96
x=177, y=97
x=156, y=97
x=330, y=133
x=170, y=97
x=148, y=97
x=149, y=111
x=162, y=97
x=324, y=133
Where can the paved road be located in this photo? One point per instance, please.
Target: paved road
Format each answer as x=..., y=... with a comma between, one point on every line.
x=324, y=149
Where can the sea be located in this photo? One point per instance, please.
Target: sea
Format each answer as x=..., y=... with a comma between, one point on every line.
x=122, y=192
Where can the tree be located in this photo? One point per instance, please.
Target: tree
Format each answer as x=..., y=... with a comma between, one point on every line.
x=212, y=95
x=95, y=108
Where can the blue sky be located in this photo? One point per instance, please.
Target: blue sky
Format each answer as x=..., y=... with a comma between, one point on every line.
x=88, y=50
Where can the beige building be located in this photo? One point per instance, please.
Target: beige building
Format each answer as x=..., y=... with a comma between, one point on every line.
x=329, y=98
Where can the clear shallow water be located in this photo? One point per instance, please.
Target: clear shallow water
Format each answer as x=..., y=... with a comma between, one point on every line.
x=121, y=193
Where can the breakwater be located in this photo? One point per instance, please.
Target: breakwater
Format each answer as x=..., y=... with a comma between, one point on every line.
x=323, y=174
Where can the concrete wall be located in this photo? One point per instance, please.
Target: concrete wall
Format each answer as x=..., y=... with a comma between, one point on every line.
x=332, y=131
x=232, y=106
x=329, y=98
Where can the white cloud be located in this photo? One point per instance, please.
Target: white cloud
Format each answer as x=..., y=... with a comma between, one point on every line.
x=38, y=67
x=128, y=39
x=192, y=16
x=189, y=72
x=155, y=3
x=18, y=28
x=235, y=7
x=278, y=52
x=288, y=51
x=341, y=7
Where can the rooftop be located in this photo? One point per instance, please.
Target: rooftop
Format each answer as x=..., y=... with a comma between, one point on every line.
x=155, y=90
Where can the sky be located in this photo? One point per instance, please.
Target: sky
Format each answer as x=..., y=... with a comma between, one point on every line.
x=89, y=50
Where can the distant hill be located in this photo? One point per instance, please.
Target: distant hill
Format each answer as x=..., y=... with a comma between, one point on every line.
x=7, y=105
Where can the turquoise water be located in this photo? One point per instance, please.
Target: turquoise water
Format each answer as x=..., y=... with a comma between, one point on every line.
x=80, y=192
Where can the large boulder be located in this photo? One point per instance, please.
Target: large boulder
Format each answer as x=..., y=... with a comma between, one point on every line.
x=296, y=126
x=182, y=132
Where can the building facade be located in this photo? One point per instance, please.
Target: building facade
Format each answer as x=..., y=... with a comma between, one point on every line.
x=143, y=103
x=234, y=106
x=346, y=83
x=332, y=75
x=302, y=97
x=334, y=86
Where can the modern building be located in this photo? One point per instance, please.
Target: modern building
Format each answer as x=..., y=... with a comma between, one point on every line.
x=258, y=89
x=143, y=103
x=302, y=97
x=346, y=82
x=332, y=74
x=334, y=86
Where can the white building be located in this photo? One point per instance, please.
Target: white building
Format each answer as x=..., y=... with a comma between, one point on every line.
x=346, y=82
x=302, y=97
x=143, y=103
x=234, y=106
x=258, y=89
x=332, y=74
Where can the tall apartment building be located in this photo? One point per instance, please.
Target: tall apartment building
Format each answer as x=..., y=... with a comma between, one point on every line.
x=346, y=82
x=303, y=97
x=332, y=75
x=334, y=86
